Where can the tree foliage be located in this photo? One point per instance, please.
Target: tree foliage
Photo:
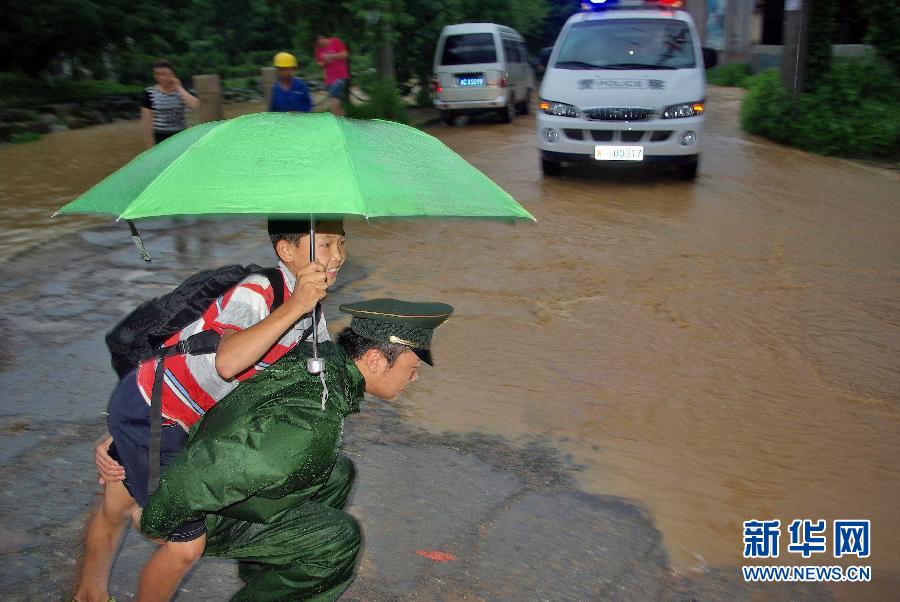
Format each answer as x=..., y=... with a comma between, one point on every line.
x=834, y=119
x=203, y=35
x=822, y=31
x=883, y=31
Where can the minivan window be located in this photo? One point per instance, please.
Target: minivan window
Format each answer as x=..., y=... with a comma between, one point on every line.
x=468, y=49
x=511, y=50
x=627, y=44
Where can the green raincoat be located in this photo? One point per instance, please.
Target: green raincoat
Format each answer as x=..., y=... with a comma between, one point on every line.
x=263, y=466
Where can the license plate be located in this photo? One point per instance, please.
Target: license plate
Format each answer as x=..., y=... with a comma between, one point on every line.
x=619, y=153
x=470, y=81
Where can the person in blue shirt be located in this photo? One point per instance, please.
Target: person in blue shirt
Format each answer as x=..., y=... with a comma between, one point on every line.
x=289, y=93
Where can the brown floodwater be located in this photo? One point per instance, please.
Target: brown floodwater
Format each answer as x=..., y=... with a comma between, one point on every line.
x=718, y=351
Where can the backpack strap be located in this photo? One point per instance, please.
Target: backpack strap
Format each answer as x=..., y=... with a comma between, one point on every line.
x=201, y=343
x=277, y=281
x=309, y=329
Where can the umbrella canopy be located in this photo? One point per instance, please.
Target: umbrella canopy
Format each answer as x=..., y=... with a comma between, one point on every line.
x=299, y=164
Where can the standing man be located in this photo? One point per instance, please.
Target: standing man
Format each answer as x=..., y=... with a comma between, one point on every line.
x=289, y=94
x=264, y=468
x=333, y=56
x=163, y=105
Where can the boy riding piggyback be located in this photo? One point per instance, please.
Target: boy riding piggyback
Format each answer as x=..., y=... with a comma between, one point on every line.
x=256, y=329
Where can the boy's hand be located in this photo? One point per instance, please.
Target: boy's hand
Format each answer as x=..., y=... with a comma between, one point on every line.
x=311, y=287
x=109, y=470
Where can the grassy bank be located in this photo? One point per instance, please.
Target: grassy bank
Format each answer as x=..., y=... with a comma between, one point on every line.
x=735, y=75
x=854, y=111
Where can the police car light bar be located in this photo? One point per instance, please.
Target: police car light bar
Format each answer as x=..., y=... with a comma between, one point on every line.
x=599, y=5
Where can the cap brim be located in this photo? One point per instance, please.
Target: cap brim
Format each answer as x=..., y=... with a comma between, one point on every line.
x=424, y=355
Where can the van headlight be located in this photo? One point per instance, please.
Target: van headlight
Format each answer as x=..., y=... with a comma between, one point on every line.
x=560, y=109
x=686, y=109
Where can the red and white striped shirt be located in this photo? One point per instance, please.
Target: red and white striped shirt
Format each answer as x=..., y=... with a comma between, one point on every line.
x=191, y=384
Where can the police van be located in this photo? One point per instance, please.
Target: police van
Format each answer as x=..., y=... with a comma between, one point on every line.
x=625, y=82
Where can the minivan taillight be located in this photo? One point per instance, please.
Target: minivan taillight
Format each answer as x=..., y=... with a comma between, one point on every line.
x=504, y=81
x=435, y=85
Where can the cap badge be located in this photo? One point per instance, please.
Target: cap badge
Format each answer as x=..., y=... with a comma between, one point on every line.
x=398, y=341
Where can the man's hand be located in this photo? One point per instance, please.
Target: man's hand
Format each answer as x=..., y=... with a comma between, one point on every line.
x=311, y=287
x=108, y=470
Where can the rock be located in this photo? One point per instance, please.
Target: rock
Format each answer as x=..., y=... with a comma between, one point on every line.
x=62, y=109
x=24, y=127
x=37, y=127
x=17, y=115
x=122, y=104
x=49, y=118
x=75, y=123
x=93, y=117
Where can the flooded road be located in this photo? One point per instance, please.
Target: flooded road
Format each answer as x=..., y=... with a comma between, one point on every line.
x=718, y=351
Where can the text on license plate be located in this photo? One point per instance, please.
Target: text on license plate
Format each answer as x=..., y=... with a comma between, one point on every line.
x=619, y=153
x=470, y=81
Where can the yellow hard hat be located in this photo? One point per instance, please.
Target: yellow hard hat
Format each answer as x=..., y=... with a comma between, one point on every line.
x=285, y=60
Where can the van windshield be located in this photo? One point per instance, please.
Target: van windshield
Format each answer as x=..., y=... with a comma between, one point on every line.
x=469, y=49
x=627, y=44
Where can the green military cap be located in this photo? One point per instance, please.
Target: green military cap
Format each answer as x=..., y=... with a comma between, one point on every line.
x=407, y=323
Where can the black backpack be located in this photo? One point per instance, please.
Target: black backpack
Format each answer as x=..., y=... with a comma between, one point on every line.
x=141, y=334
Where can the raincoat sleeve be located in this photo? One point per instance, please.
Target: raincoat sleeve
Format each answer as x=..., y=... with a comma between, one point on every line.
x=232, y=458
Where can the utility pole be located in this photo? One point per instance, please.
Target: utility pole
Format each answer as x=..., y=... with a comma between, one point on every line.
x=796, y=39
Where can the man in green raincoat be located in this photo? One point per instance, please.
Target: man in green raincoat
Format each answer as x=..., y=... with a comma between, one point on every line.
x=263, y=465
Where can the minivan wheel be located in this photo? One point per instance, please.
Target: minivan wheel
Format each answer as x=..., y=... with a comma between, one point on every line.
x=448, y=117
x=507, y=113
x=525, y=106
x=688, y=171
x=551, y=168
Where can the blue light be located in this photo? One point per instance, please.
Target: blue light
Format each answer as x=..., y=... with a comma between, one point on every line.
x=597, y=5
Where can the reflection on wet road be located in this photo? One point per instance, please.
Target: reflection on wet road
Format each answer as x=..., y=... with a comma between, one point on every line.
x=719, y=351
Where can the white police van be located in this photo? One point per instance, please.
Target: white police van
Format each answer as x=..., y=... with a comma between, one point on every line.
x=625, y=82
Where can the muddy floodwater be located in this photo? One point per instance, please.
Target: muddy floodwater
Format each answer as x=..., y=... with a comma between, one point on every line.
x=717, y=351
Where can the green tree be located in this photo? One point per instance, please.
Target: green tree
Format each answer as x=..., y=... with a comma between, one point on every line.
x=883, y=30
x=822, y=33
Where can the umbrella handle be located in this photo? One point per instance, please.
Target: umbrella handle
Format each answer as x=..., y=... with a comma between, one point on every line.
x=315, y=364
x=138, y=242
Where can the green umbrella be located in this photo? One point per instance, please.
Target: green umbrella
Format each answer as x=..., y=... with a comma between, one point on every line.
x=302, y=165
x=294, y=163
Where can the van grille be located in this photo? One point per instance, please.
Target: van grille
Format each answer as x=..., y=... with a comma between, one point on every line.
x=618, y=114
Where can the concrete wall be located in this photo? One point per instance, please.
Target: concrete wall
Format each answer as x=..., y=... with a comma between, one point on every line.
x=761, y=57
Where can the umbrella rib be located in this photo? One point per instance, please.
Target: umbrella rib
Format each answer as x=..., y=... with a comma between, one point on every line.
x=167, y=169
x=362, y=199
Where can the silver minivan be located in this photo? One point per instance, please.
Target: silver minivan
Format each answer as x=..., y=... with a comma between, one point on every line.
x=481, y=66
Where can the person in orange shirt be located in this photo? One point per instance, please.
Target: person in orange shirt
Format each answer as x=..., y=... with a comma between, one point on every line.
x=334, y=58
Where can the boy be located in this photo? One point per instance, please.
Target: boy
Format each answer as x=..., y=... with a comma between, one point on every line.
x=252, y=338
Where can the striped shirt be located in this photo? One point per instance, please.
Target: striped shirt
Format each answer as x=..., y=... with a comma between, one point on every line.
x=191, y=384
x=168, y=109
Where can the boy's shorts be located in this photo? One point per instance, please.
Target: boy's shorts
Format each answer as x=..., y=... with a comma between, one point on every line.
x=338, y=89
x=129, y=425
